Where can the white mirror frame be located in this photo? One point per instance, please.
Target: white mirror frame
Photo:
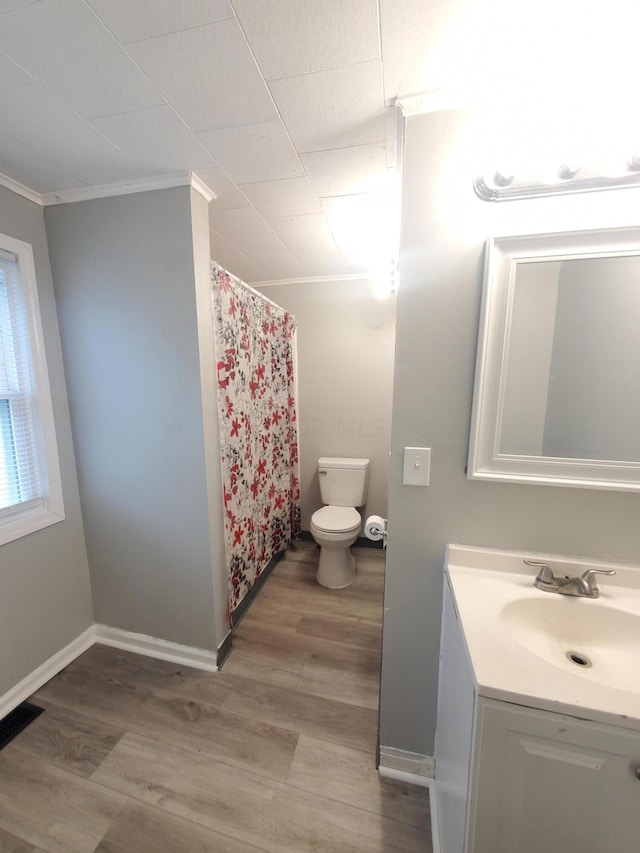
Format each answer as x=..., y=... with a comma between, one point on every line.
x=501, y=259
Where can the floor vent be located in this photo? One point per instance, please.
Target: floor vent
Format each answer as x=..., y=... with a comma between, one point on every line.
x=16, y=721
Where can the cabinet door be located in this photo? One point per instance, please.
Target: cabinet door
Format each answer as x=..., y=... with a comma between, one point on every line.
x=546, y=783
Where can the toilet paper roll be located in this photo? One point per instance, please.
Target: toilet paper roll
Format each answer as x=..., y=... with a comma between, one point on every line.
x=375, y=527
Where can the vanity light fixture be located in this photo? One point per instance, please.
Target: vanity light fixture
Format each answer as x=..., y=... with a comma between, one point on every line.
x=385, y=280
x=569, y=178
x=634, y=162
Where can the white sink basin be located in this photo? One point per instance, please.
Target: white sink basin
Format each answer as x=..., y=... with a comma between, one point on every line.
x=581, y=636
x=572, y=655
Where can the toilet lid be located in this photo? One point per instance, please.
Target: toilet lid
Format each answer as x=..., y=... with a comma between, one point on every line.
x=336, y=519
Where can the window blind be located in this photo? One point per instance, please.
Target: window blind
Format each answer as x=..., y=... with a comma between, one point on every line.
x=20, y=480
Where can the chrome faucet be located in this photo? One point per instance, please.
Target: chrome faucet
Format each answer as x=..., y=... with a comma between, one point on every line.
x=584, y=586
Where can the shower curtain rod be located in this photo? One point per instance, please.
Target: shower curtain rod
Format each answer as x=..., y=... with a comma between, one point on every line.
x=249, y=288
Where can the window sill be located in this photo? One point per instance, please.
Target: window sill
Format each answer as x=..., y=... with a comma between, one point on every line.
x=22, y=522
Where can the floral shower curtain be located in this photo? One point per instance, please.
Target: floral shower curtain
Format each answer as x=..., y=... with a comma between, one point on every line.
x=257, y=399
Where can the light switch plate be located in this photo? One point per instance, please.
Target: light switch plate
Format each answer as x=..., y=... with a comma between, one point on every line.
x=416, y=467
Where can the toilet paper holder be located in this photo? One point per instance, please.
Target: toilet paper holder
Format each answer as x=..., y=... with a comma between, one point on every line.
x=375, y=529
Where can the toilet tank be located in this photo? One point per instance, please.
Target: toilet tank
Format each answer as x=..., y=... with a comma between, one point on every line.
x=343, y=482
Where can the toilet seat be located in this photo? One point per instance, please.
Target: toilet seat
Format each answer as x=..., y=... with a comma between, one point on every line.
x=336, y=519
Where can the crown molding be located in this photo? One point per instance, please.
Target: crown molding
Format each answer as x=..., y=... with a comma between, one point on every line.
x=20, y=189
x=161, y=182
x=199, y=186
x=313, y=279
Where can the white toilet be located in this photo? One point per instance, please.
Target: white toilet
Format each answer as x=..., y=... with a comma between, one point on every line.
x=335, y=527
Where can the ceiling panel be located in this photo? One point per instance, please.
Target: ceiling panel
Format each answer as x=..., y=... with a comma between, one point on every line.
x=11, y=75
x=157, y=138
x=290, y=197
x=63, y=45
x=43, y=123
x=141, y=19
x=258, y=152
x=32, y=168
x=226, y=254
x=293, y=37
x=249, y=233
x=305, y=235
x=422, y=43
x=342, y=171
x=228, y=195
x=6, y=5
x=208, y=74
x=365, y=226
x=333, y=109
x=335, y=264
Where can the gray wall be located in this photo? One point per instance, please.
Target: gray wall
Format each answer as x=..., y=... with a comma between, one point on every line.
x=45, y=601
x=443, y=231
x=126, y=290
x=345, y=359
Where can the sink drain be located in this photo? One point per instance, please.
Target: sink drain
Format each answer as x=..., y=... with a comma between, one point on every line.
x=579, y=659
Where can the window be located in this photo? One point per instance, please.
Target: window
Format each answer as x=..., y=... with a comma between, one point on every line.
x=30, y=488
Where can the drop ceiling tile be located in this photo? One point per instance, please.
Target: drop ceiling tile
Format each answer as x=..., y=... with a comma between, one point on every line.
x=11, y=75
x=42, y=122
x=333, y=109
x=353, y=205
x=292, y=196
x=422, y=43
x=333, y=265
x=226, y=254
x=250, y=234
x=257, y=152
x=33, y=169
x=7, y=5
x=228, y=195
x=292, y=37
x=133, y=21
x=342, y=171
x=158, y=138
x=279, y=266
x=305, y=235
x=208, y=75
x=365, y=226
x=64, y=46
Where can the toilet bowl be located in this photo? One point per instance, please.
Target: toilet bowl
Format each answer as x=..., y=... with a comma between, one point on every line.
x=335, y=527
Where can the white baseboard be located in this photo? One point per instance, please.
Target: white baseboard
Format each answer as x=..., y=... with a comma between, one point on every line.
x=419, y=767
x=415, y=769
x=403, y=776
x=34, y=681
x=156, y=648
x=139, y=643
x=433, y=807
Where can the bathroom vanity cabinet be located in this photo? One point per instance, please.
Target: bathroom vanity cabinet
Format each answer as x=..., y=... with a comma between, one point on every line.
x=517, y=779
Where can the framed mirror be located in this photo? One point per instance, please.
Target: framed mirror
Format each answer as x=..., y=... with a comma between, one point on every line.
x=557, y=384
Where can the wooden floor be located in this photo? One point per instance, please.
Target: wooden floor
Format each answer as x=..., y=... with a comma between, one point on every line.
x=276, y=752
